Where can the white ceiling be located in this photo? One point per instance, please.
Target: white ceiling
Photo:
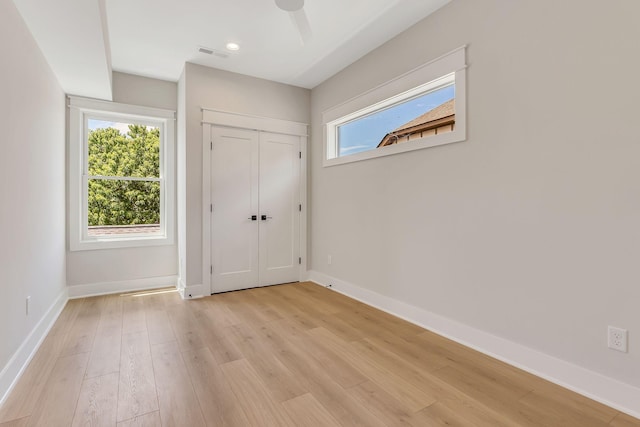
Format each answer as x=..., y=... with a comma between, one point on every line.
x=73, y=37
x=155, y=38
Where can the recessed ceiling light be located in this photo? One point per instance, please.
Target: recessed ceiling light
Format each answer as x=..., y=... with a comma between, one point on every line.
x=233, y=46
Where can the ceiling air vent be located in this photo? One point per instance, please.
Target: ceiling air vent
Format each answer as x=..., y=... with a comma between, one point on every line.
x=209, y=51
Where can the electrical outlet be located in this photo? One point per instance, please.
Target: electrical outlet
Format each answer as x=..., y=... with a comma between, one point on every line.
x=617, y=339
x=329, y=259
x=27, y=305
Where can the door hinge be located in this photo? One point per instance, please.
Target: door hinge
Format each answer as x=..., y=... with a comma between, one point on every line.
x=300, y=260
x=212, y=145
x=211, y=208
x=299, y=154
x=211, y=269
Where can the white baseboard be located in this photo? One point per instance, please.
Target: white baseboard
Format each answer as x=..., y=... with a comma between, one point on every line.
x=191, y=291
x=21, y=358
x=106, y=288
x=593, y=385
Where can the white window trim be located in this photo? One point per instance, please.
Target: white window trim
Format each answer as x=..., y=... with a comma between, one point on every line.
x=447, y=69
x=80, y=109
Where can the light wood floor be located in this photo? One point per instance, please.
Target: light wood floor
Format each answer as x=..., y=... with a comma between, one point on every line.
x=290, y=355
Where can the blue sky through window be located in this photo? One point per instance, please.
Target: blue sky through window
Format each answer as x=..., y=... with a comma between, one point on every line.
x=366, y=132
x=102, y=124
x=94, y=124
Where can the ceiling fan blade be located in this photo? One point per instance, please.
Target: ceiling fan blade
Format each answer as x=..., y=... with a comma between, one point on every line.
x=290, y=5
x=301, y=22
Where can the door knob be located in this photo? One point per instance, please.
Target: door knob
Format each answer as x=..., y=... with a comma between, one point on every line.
x=253, y=217
x=264, y=217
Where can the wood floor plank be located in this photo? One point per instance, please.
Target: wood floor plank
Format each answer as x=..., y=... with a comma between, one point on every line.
x=26, y=394
x=418, y=376
x=455, y=353
x=454, y=399
x=284, y=307
x=423, y=379
x=329, y=393
x=80, y=337
x=440, y=415
x=336, y=367
x=408, y=353
x=380, y=403
x=247, y=308
x=159, y=325
x=171, y=296
x=624, y=420
x=396, y=386
x=98, y=402
x=282, y=384
x=154, y=300
x=220, y=407
x=151, y=419
x=311, y=299
x=105, y=352
x=306, y=411
x=217, y=338
x=284, y=294
x=185, y=327
x=362, y=322
x=67, y=317
x=133, y=315
x=137, y=385
x=497, y=399
x=260, y=408
x=336, y=325
x=58, y=403
x=21, y=422
x=176, y=397
x=265, y=310
x=565, y=408
x=219, y=313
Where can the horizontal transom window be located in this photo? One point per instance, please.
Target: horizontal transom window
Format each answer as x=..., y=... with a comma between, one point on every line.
x=401, y=116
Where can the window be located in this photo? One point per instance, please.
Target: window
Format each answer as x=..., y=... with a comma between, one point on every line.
x=402, y=115
x=121, y=175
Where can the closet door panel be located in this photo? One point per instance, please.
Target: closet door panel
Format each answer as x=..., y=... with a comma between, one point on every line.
x=234, y=194
x=279, y=202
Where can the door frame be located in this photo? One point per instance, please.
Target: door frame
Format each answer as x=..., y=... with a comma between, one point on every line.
x=217, y=118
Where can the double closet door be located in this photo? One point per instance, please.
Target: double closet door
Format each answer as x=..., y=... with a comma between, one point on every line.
x=255, y=218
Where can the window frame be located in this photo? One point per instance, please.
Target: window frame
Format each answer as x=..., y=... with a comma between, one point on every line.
x=81, y=110
x=440, y=72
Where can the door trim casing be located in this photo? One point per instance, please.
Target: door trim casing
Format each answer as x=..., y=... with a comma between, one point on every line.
x=211, y=118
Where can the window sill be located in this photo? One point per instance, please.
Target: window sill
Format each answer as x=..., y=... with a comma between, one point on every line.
x=120, y=242
x=427, y=142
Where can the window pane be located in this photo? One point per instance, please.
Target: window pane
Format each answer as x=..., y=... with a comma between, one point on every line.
x=123, y=207
x=123, y=149
x=419, y=117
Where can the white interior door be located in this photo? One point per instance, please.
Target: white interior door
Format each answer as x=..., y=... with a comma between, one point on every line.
x=279, y=205
x=255, y=224
x=234, y=196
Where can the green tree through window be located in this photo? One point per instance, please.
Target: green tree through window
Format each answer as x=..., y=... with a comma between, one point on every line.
x=122, y=169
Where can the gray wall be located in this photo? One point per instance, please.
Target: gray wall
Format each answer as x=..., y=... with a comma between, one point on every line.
x=222, y=90
x=114, y=265
x=32, y=183
x=529, y=230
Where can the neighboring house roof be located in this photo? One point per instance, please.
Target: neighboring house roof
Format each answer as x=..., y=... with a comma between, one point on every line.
x=442, y=115
x=107, y=230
